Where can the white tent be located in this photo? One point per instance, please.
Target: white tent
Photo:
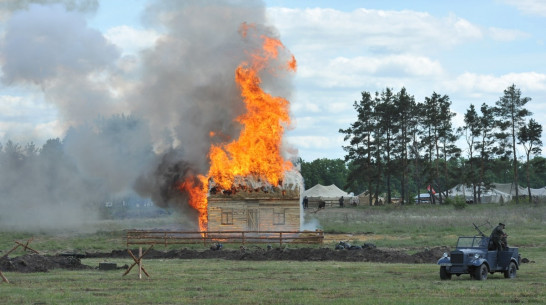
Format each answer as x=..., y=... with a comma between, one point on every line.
x=537, y=192
x=509, y=188
x=330, y=191
x=499, y=192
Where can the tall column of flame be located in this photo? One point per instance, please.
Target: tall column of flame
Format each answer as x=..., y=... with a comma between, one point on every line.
x=257, y=151
x=196, y=188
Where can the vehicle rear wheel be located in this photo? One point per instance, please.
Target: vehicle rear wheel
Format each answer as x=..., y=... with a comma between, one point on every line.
x=480, y=273
x=444, y=275
x=511, y=272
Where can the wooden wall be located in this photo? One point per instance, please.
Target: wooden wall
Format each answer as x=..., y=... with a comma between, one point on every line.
x=254, y=214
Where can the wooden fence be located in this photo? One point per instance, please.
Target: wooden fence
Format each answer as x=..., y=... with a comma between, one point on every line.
x=138, y=237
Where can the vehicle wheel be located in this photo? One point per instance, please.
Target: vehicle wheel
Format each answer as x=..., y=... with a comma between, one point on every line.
x=444, y=275
x=511, y=272
x=480, y=273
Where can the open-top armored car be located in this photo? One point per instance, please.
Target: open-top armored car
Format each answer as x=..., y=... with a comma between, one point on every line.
x=475, y=256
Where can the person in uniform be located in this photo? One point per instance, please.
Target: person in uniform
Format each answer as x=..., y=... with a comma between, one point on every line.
x=498, y=237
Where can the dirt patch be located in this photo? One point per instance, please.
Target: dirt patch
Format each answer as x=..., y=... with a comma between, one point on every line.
x=40, y=263
x=44, y=263
x=297, y=254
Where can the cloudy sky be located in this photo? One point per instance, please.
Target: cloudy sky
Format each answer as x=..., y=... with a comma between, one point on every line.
x=469, y=50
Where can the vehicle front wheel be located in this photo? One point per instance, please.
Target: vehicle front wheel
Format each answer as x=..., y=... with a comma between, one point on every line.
x=511, y=272
x=480, y=273
x=444, y=275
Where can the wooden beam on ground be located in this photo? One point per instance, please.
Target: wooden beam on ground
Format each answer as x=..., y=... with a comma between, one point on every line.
x=26, y=247
x=12, y=249
x=20, y=244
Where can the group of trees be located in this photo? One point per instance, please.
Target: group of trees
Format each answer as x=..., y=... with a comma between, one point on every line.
x=397, y=146
x=401, y=146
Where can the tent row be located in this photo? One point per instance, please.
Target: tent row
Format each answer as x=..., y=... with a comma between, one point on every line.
x=498, y=192
x=330, y=195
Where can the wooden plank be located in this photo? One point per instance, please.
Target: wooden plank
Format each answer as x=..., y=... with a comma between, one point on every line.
x=4, y=279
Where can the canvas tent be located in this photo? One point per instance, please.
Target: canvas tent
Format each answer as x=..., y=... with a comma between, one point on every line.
x=325, y=191
x=364, y=198
x=499, y=192
x=541, y=192
x=330, y=194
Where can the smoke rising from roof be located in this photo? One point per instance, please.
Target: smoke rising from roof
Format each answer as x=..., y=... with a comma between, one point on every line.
x=140, y=128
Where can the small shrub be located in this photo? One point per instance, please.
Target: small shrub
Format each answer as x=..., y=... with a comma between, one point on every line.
x=458, y=202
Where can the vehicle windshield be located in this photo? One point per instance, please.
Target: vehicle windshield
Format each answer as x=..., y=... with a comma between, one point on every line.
x=473, y=242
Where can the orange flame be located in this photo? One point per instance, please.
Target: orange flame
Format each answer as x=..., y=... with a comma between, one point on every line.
x=257, y=151
x=197, y=192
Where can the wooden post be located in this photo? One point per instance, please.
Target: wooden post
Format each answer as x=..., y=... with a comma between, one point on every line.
x=140, y=262
x=4, y=279
x=280, y=239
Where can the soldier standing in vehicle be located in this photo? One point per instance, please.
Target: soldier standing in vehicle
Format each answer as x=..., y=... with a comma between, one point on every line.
x=499, y=237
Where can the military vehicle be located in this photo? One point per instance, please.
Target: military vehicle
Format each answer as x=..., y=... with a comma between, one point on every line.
x=475, y=256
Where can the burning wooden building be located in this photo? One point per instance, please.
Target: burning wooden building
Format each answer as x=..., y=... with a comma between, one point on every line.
x=250, y=186
x=256, y=209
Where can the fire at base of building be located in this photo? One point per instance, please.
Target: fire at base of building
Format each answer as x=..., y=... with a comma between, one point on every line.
x=257, y=206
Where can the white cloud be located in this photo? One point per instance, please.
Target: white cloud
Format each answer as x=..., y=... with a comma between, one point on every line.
x=306, y=106
x=373, y=30
x=529, y=7
x=131, y=40
x=27, y=118
x=12, y=106
x=315, y=142
x=472, y=82
x=49, y=130
x=9, y=105
x=506, y=35
x=343, y=72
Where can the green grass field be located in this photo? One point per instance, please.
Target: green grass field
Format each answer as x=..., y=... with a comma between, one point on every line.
x=280, y=282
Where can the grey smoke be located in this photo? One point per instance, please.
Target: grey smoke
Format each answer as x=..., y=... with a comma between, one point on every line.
x=155, y=121
x=54, y=49
x=63, y=184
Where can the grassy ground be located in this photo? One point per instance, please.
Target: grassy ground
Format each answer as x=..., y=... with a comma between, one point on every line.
x=273, y=282
x=428, y=226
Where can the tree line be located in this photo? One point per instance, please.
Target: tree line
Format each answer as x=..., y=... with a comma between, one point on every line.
x=398, y=146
